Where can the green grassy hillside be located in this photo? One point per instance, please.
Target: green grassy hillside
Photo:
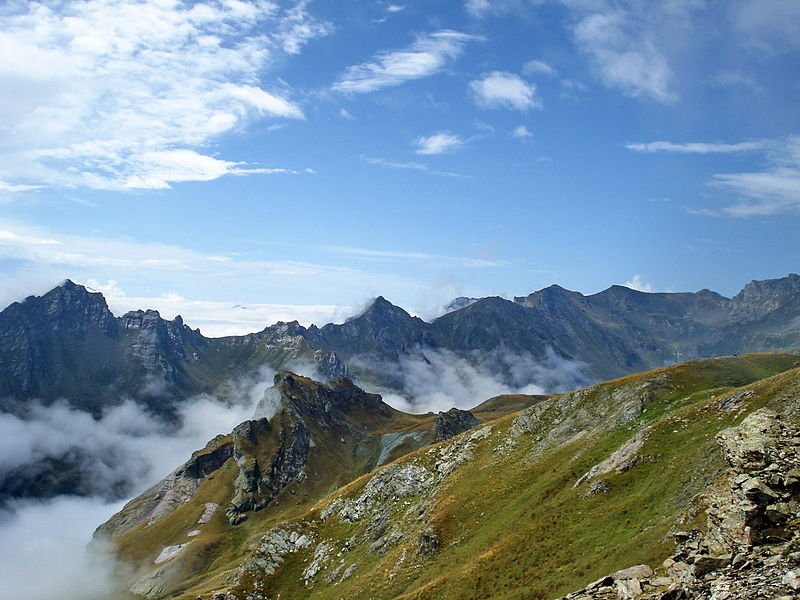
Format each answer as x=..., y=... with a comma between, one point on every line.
x=531, y=505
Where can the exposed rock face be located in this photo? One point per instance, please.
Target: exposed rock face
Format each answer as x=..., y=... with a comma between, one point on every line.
x=621, y=460
x=751, y=547
x=451, y=423
x=178, y=488
x=759, y=298
x=394, y=504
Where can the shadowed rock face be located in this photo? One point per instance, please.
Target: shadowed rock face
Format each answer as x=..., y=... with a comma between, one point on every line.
x=267, y=455
x=453, y=422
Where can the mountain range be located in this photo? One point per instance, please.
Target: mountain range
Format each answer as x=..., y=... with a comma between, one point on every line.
x=67, y=343
x=326, y=491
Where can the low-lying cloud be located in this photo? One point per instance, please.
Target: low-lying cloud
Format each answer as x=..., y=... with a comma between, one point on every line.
x=44, y=542
x=436, y=380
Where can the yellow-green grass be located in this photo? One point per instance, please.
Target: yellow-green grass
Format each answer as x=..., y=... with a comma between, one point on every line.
x=510, y=522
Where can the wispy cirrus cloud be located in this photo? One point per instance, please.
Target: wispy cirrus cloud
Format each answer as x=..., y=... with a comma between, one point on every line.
x=218, y=318
x=428, y=55
x=539, y=67
x=623, y=56
x=772, y=189
x=102, y=89
x=37, y=258
x=695, y=147
x=500, y=89
x=409, y=166
x=403, y=256
x=438, y=143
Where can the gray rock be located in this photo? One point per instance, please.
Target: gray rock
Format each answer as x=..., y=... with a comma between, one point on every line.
x=451, y=423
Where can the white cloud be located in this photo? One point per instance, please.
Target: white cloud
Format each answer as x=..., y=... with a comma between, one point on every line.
x=438, y=143
x=482, y=8
x=624, y=56
x=297, y=28
x=101, y=88
x=126, y=449
x=428, y=55
x=636, y=283
x=695, y=147
x=409, y=166
x=435, y=380
x=435, y=259
x=500, y=89
x=14, y=188
x=521, y=133
x=538, y=67
x=52, y=537
x=769, y=25
x=244, y=276
x=478, y=7
x=773, y=190
x=346, y=115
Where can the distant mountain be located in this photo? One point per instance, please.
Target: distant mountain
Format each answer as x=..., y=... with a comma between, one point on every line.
x=67, y=344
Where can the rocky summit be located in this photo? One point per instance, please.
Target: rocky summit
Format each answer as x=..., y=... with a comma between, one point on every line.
x=683, y=482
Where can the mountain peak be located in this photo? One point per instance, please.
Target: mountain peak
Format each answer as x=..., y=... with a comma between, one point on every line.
x=71, y=306
x=381, y=310
x=337, y=397
x=761, y=297
x=552, y=294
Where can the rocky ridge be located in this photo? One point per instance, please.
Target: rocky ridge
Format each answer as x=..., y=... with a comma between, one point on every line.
x=750, y=549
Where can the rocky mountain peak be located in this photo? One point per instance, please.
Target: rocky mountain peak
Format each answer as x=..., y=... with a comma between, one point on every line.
x=550, y=296
x=381, y=310
x=337, y=398
x=759, y=298
x=71, y=308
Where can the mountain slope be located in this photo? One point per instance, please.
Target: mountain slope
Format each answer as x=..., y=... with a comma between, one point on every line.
x=529, y=505
x=311, y=439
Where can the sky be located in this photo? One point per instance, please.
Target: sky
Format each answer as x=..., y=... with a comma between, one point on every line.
x=242, y=162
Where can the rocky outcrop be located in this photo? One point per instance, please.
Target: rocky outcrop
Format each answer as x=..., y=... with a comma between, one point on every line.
x=175, y=490
x=256, y=486
x=750, y=548
x=759, y=298
x=623, y=459
x=451, y=423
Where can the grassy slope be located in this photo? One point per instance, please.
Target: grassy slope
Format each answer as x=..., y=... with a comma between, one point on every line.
x=510, y=522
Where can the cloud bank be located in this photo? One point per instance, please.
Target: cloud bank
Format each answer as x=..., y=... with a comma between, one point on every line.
x=436, y=380
x=44, y=543
x=129, y=94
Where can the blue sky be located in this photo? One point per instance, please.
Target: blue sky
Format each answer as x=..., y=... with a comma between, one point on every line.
x=298, y=158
